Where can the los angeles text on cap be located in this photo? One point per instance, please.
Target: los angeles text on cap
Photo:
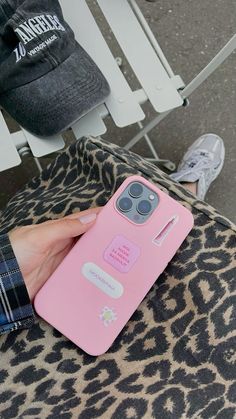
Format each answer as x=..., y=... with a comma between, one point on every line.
x=33, y=27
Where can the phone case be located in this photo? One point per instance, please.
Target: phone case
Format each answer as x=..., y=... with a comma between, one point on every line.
x=100, y=283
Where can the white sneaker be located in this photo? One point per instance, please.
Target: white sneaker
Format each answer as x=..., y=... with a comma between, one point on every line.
x=202, y=163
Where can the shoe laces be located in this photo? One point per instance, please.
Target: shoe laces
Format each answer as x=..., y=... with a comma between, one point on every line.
x=200, y=160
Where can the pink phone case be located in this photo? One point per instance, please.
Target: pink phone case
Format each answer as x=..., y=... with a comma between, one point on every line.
x=100, y=283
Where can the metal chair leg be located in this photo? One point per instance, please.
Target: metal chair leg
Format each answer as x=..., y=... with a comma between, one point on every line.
x=155, y=159
x=25, y=151
x=224, y=53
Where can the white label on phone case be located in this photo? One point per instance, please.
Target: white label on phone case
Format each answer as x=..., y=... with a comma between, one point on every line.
x=102, y=280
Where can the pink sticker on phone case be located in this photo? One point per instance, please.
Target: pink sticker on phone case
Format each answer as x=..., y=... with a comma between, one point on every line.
x=122, y=254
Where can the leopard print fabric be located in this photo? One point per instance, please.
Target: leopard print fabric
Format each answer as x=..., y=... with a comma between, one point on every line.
x=176, y=356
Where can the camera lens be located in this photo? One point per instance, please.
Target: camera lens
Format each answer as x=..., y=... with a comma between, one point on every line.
x=144, y=207
x=136, y=190
x=125, y=204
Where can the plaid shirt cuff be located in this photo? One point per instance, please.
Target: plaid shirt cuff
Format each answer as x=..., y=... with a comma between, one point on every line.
x=16, y=311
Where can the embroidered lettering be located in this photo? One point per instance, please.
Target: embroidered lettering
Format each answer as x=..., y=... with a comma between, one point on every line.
x=20, y=52
x=45, y=25
x=24, y=38
x=42, y=45
x=36, y=28
x=38, y=25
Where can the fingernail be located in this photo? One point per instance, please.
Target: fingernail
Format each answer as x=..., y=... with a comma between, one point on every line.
x=86, y=219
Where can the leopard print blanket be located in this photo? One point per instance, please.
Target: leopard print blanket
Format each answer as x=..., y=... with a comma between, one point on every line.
x=176, y=356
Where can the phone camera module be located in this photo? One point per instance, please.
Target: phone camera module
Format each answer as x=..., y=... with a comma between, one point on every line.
x=144, y=207
x=136, y=190
x=125, y=204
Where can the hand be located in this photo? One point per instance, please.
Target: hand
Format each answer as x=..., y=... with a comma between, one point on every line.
x=40, y=248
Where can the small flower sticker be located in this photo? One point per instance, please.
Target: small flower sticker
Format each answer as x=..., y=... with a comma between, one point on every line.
x=107, y=316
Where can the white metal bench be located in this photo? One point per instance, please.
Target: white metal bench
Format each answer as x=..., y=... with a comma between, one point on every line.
x=158, y=83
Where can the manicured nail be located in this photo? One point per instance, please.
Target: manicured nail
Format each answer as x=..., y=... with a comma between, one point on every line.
x=86, y=219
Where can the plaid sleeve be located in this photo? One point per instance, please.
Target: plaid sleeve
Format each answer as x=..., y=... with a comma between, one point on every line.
x=16, y=311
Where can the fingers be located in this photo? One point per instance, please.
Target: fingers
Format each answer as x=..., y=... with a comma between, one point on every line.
x=67, y=227
x=75, y=215
x=83, y=213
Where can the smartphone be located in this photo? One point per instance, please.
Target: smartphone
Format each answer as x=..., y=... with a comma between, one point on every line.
x=101, y=282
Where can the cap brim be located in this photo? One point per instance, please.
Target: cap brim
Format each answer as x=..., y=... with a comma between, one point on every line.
x=50, y=104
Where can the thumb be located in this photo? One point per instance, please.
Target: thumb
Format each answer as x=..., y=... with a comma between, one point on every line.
x=68, y=227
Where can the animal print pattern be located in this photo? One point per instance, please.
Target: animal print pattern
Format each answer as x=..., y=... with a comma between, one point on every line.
x=176, y=356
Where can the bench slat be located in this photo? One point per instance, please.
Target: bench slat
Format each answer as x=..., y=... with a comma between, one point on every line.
x=42, y=146
x=121, y=103
x=91, y=124
x=141, y=55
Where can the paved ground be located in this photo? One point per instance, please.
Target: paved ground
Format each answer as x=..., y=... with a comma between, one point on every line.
x=191, y=33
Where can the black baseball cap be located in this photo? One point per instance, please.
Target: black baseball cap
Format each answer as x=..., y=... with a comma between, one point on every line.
x=47, y=80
